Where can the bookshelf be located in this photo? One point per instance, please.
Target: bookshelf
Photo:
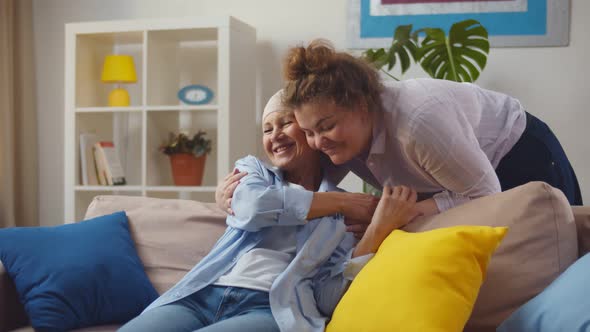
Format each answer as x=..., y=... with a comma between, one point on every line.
x=168, y=54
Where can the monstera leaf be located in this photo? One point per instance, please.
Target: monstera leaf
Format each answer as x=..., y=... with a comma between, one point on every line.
x=461, y=57
x=403, y=46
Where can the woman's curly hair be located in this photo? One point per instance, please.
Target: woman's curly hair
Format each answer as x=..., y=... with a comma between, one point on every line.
x=317, y=73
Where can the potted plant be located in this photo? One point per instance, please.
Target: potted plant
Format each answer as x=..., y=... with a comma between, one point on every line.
x=187, y=157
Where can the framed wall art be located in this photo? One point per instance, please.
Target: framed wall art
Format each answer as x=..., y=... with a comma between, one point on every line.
x=510, y=23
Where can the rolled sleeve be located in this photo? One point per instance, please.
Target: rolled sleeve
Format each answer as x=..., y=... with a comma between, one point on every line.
x=297, y=203
x=262, y=200
x=446, y=200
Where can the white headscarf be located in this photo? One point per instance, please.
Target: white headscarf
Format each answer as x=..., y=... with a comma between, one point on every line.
x=274, y=104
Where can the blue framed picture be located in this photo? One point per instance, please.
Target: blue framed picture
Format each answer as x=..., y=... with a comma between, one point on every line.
x=510, y=23
x=195, y=94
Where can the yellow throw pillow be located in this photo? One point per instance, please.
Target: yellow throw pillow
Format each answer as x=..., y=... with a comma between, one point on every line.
x=421, y=282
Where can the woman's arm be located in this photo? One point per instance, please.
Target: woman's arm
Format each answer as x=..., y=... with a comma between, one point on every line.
x=396, y=208
x=354, y=206
x=225, y=190
x=259, y=202
x=351, y=205
x=427, y=207
x=446, y=147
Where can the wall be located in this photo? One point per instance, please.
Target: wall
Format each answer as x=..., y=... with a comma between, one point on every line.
x=548, y=81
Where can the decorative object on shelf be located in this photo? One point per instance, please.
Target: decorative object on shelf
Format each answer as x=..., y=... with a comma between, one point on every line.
x=455, y=57
x=169, y=54
x=108, y=165
x=88, y=172
x=195, y=94
x=187, y=157
x=118, y=69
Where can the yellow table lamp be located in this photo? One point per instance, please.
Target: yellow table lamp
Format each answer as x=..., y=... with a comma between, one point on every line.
x=118, y=69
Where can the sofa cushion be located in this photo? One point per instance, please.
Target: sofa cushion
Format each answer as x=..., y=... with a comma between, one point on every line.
x=77, y=275
x=545, y=312
x=171, y=235
x=582, y=216
x=424, y=281
x=540, y=245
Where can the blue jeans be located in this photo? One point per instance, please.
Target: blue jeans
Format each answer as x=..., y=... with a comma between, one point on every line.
x=212, y=309
x=538, y=156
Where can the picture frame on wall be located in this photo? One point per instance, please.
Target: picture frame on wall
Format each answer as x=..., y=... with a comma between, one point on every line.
x=510, y=23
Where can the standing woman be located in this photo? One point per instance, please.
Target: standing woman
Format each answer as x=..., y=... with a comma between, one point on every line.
x=451, y=141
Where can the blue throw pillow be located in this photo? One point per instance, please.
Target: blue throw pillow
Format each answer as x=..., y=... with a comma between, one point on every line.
x=77, y=275
x=563, y=306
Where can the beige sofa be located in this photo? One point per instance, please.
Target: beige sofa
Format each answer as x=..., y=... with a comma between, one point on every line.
x=173, y=235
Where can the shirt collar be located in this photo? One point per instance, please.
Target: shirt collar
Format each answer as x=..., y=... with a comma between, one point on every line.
x=389, y=98
x=326, y=185
x=379, y=133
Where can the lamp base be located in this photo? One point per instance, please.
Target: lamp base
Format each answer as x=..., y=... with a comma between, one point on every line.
x=119, y=97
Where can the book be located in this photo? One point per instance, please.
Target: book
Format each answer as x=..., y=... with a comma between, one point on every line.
x=108, y=164
x=100, y=165
x=88, y=174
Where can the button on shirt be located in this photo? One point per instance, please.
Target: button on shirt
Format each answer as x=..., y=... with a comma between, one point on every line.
x=440, y=137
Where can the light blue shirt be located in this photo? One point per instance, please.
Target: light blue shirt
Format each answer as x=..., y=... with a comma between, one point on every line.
x=304, y=295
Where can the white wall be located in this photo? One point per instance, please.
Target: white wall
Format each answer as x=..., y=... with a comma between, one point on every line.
x=548, y=81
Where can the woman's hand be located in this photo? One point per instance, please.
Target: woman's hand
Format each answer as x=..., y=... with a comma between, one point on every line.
x=356, y=208
x=396, y=208
x=356, y=227
x=225, y=190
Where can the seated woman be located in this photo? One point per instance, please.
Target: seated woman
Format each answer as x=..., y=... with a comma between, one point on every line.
x=273, y=270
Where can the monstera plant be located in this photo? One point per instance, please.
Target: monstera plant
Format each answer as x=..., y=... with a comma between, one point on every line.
x=461, y=56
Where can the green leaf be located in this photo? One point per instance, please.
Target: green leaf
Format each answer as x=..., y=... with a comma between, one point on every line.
x=403, y=47
x=454, y=57
x=377, y=57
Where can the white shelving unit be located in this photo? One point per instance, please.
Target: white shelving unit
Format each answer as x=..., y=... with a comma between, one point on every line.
x=168, y=54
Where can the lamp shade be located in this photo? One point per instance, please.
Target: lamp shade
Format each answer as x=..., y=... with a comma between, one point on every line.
x=118, y=69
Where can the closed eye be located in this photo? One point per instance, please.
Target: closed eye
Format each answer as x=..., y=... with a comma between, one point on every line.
x=327, y=128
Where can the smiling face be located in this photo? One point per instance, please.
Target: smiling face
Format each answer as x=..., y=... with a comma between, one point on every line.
x=339, y=132
x=285, y=144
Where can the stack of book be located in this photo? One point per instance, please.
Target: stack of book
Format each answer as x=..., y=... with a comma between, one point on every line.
x=99, y=162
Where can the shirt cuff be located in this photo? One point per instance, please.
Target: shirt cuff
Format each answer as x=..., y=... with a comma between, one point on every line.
x=446, y=200
x=355, y=265
x=296, y=205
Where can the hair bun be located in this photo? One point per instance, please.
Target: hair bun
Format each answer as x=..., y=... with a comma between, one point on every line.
x=301, y=62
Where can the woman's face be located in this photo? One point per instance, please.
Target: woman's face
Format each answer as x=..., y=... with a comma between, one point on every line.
x=341, y=133
x=284, y=142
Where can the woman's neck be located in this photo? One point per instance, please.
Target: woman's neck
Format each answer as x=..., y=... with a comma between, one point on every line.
x=307, y=177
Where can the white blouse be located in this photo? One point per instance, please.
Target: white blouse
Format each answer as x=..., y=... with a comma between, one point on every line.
x=441, y=137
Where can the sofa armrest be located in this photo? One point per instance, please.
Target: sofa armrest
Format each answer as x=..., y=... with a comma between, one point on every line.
x=12, y=312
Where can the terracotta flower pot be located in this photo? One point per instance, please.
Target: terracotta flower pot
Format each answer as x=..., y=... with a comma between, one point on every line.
x=187, y=170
